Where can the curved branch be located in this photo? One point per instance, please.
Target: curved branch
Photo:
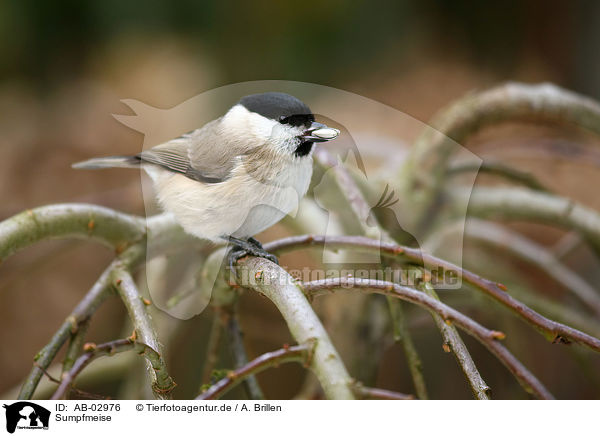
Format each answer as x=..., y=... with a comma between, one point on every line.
x=499, y=169
x=557, y=332
x=524, y=204
x=489, y=338
x=84, y=221
x=426, y=166
x=164, y=233
x=296, y=353
x=277, y=285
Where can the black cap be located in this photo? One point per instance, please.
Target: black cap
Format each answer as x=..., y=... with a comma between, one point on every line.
x=275, y=105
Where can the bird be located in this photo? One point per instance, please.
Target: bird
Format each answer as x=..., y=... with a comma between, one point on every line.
x=238, y=174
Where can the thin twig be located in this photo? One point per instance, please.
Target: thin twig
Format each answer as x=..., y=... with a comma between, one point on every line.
x=489, y=338
x=402, y=335
x=555, y=331
x=454, y=344
x=212, y=348
x=75, y=346
x=240, y=357
x=297, y=353
x=379, y=394
x=537, y=255
x=79, y=392
x=92, y=352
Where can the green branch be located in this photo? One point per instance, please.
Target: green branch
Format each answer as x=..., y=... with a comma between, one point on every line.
x=82, y=221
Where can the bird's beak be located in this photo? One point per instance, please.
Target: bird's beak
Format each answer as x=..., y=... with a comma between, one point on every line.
x=318, y=132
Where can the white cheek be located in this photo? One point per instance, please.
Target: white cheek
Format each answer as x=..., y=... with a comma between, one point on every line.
x=241, y=123
x=285, y=137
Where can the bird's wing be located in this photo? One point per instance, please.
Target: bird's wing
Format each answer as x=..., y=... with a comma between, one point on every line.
x=196, y=156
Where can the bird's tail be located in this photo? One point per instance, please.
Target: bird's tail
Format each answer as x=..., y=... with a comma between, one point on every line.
x=108, y=162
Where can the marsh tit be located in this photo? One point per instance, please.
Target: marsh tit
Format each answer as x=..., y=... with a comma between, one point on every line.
x=237, y=175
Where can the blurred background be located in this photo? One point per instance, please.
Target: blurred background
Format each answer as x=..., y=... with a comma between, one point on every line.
x=65, y=66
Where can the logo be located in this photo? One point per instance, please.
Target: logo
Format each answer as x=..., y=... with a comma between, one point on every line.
x=26, y=415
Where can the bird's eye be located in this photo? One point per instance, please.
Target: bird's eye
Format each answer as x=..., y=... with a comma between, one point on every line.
x=297, y=120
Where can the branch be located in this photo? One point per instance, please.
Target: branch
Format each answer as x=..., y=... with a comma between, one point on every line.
x=402, y=334
x=360, y=209
x=75, y=347
x=379, y=394
x=82, y=221
x=240, y=358
x=453, y=343
x=86, y=307
x=93, y=352
x=276, y=284
x=212, y=347
x=524, y=204
x=499, y=169
x=162, y=383
x=358, y=206
x=537, y=255
x=425, y=169
x=489, y=338
x=555, y=331
x=296, y=353
x=164, y=234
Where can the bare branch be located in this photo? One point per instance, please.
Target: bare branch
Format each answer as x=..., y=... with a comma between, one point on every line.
x=359, y=207
x=240, y=357
x=378, y=394
x=524, y=204
x=537, y=255
x=454, y=344
x=297, y=353
x=489, y=338
x=499, y=169
x=93, y=351
x=553, y=330
x=402, y=335
x=425, y=169
x=212, y=348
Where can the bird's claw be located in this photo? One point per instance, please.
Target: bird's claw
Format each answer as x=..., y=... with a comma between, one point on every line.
x=251, y=248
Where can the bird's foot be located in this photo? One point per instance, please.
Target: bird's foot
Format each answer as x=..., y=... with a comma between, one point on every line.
x=251, y=247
